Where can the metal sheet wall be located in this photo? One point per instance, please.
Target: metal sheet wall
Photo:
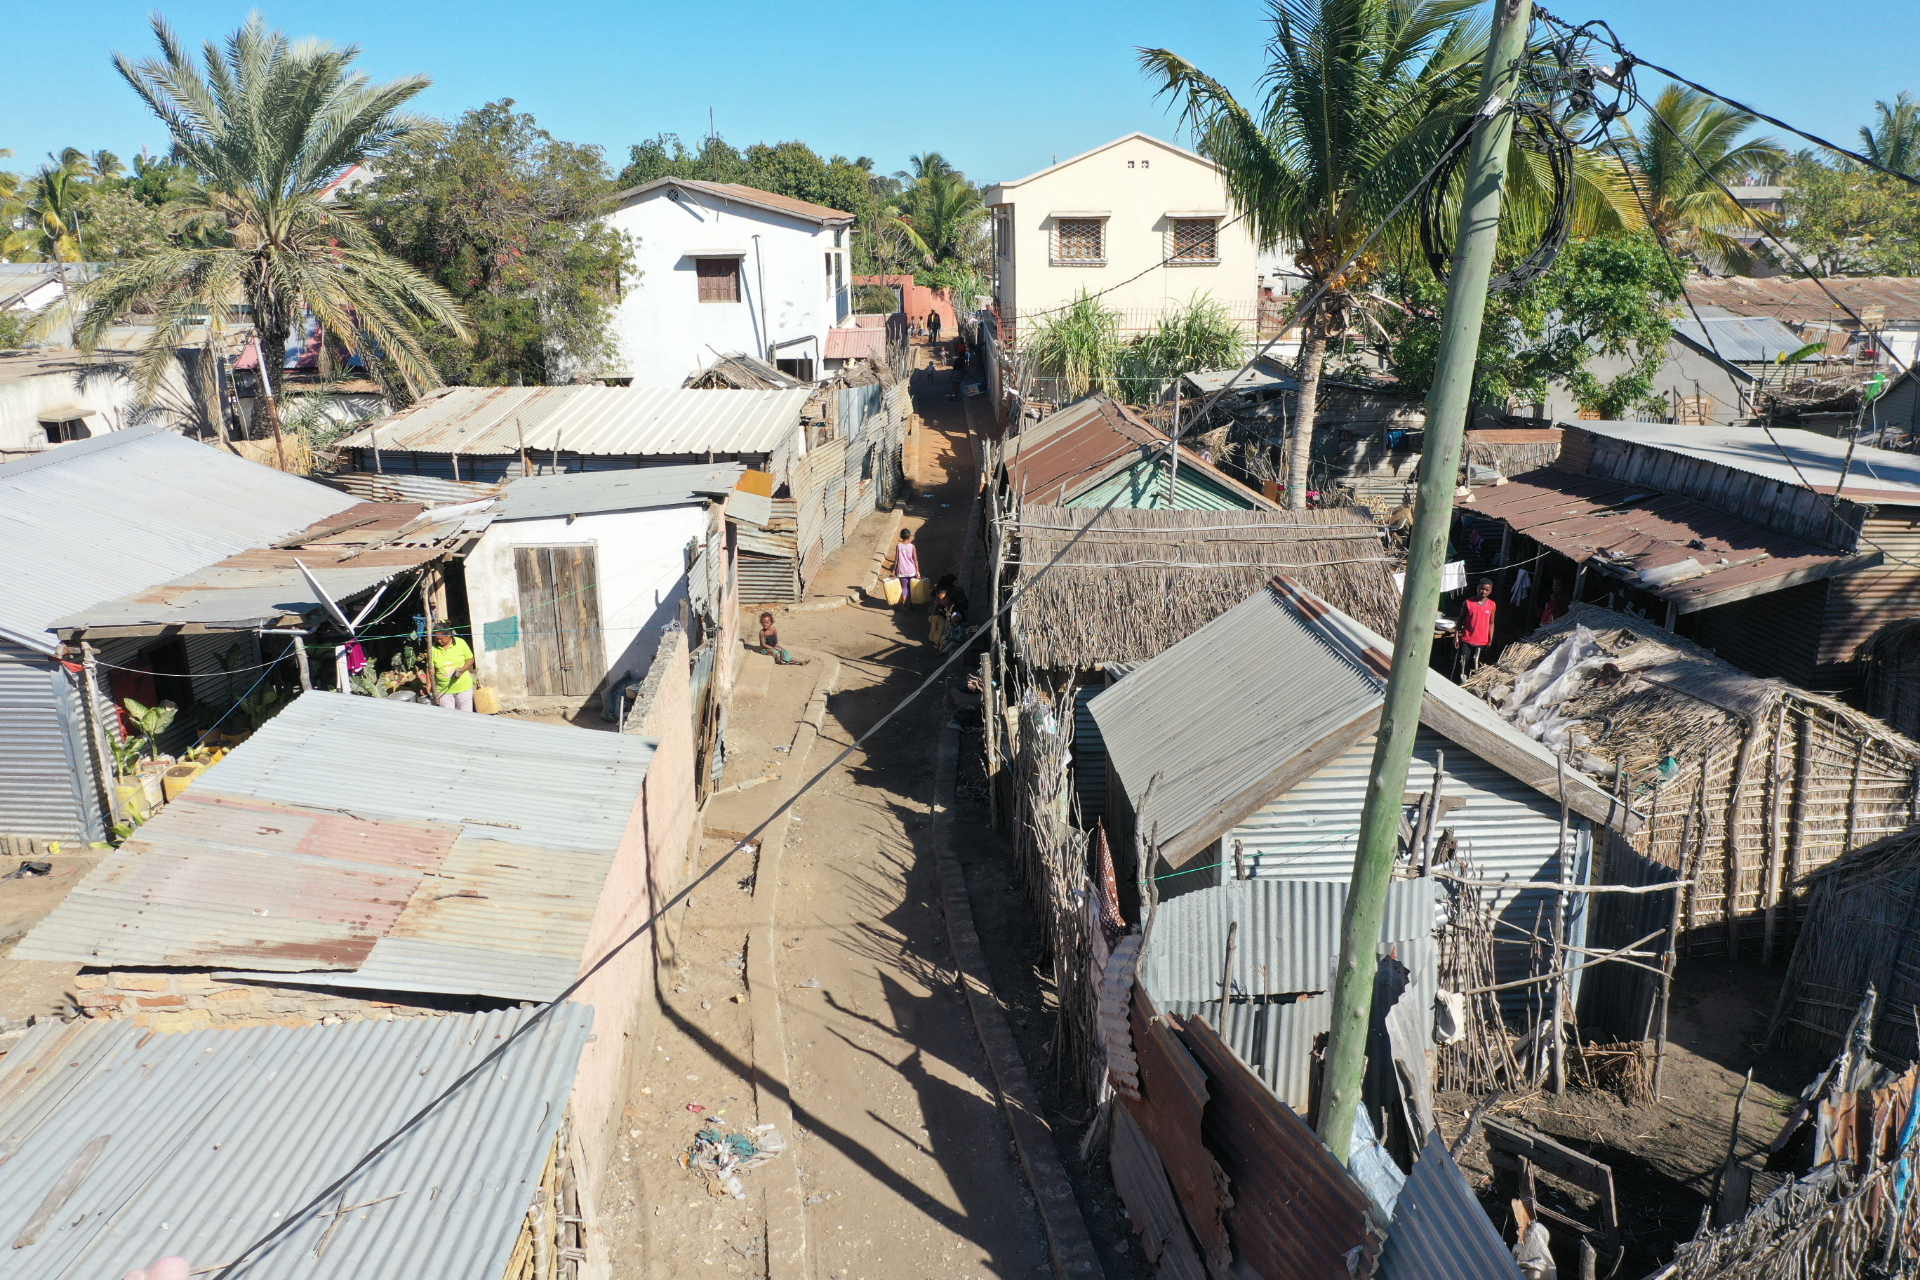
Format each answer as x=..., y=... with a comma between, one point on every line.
x=767, y=579
x=1089, y=756
x=1777, y=634
x=42, y=768
x=1508, y=830
x=1859, y=604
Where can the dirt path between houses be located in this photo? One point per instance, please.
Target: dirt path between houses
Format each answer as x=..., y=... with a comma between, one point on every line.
x=904, y=1160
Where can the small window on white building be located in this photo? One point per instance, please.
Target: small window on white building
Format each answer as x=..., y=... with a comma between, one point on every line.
x=831, y=259
x=66, y=430
x=1080, y=242
x=1195, y=240
x=719, y=279
x=1003, y=233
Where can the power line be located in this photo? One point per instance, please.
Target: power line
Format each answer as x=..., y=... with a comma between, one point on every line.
x=1632, y=59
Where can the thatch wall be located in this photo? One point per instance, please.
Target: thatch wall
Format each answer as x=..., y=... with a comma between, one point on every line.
x=1138, y=582
x=1862, y=926
x=1768, y=783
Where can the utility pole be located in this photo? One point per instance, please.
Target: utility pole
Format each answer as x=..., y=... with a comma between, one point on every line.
x=1447, y=406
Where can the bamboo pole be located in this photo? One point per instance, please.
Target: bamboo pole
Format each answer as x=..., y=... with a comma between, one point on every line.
x=1853, y=795
x=1226, y=973
x=1770, y=879
x=1743, y=765
x=1699, y=850
x=1802, y=802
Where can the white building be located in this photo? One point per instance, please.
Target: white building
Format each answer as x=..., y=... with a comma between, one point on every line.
x=51, y=396
x=577, y=577
x=727, y=268
x=1108, y=220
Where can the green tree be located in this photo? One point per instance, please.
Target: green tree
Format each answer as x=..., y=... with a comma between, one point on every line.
x=1360, y=96
x=665, y=156
x=1848, y=220
x=266, y=126
x=1894, y=138
x=502, y=216
x=1606, y=296
x=1685, y=204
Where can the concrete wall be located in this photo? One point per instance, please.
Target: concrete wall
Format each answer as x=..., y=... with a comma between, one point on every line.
x=919, y=301
x=642, y=580
x=666, y=334
x=646, y=872
x=66, y=383
x=1136, y=182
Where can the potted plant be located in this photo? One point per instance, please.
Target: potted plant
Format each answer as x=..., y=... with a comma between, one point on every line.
x=138, y=759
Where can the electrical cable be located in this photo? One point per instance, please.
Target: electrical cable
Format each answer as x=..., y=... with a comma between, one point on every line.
x=1633, y=59
x=539, y=1014
x=1536, y=128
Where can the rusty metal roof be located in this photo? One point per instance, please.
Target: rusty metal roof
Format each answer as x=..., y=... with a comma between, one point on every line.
x=1788, y=456
x=426, y=850
x=1645, y=537
x=1804, y=301
x=212, y=1137
x=601, y=421
x=855, y=344
x=1069, y=452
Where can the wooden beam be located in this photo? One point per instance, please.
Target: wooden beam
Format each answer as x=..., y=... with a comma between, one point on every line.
x=1767, y=586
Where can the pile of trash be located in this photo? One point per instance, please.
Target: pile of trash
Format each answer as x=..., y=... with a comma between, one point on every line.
x=721, y=1157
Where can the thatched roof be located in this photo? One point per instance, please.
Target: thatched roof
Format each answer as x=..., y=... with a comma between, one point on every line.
x=742, y=372
x=1138, y=582
x=1750, y=783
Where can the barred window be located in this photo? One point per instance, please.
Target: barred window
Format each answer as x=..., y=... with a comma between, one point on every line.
x=1081, y=240
x=1196, y=240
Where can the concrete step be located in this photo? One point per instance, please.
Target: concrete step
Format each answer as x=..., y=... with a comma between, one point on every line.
x=752, y=674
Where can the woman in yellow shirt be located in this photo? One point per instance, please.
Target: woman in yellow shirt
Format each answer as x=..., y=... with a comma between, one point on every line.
x=452, y=675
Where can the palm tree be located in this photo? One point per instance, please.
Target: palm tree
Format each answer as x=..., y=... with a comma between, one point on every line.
x=1895, y=140
x=48, y=205
x=1360, y=96
x=940, y=215
x=267, y=125
x=1686, y=207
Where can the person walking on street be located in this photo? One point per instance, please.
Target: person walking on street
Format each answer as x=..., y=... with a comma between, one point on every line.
x=452, y=665
x=1475, y=631
x=906, y=563
x=933, y=328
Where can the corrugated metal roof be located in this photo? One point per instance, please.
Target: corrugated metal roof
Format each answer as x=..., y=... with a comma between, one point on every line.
x=211, y=1137
x=1640, y=535
x=1439, y=1230
x=429, y=851
x=1804, y=301
x=1258, y=378
x=1218, y=711
x=585, y=492
x=1800, y=459
x=855, y=344
x=589, y=420
x=100, y=518
x=1064, y=456
x=1283, y=671
x=374, y=486
x=1741, y=339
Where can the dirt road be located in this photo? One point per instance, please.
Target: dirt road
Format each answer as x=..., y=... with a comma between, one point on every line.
x=903, y=1161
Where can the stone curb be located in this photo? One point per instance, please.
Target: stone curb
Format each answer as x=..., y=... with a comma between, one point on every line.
x=1067, y=1237
x=786, y=1214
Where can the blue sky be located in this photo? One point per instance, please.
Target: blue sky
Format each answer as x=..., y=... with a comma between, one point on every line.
x=1001, y=87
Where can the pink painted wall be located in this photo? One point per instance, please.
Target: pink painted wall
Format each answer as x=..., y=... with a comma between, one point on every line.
x=650, y=866
x=920, y=300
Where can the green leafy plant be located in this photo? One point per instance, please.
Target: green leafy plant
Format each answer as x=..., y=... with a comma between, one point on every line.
x=151, y=721
x=367, y=683
x=126, y=755
x=261, y=705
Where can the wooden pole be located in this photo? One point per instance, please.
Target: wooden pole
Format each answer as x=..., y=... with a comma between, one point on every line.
x=1699, y=849
x=1556, y=1043
x=1226, y=973
x=1770, y=881
x=526, y=466
x=1853, y=796
x=300, y=662
x=1742, y=767
x=1433, y=811
x=426, y=613
x=1802, y=805
x=96, y=741
x=378, y=467
x=1666, y=965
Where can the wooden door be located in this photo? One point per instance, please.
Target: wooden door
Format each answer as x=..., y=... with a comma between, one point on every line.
x=560, y=619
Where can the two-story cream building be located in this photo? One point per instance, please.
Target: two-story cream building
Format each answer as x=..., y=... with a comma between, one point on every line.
x=1137, y=213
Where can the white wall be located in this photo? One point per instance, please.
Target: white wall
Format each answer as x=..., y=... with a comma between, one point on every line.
x=1163, y=179
x=666, y=334
x=37, y=382
x=642, y=580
